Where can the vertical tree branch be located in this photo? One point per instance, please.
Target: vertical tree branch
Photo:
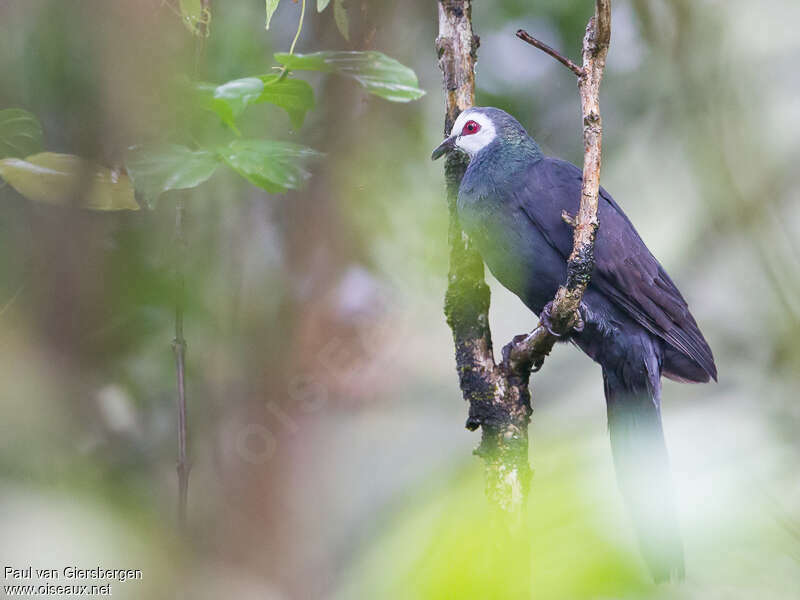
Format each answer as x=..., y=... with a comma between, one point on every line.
x=532, y=349
x=467, y=296
x=499, y=400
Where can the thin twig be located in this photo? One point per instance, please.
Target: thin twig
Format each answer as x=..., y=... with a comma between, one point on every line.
x=527, y=37
x=179, y=349
x=179, y=343
x=530, y=351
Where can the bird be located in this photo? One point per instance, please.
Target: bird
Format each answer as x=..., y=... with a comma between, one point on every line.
x=635, y=323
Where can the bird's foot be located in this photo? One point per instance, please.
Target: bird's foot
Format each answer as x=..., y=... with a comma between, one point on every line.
x=516, y=355
x=546, y=320
x=512, y=346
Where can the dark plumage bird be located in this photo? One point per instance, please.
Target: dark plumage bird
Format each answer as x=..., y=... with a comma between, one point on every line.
x=637, y=325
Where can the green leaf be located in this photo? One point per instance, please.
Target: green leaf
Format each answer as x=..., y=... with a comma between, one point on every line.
x=193, y=15
x=274, y=166
x=20, y=133
x=322, y=5
x=295, y=96
x=157, y=169
x=342, y=21
x=230, y=99
x=69, y=180
x=271, y=6
x=376, y=72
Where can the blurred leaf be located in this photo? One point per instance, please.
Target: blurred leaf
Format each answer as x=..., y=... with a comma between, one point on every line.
x=322, y=5
x=20, y=133
x=274, y=166
x=272, y=5
x=379, y=74
x=230, y=99
x=445, y=543
x=69, y=180
x=193, y=15
x=295, y=96
x=158, y=169
x=340, y=16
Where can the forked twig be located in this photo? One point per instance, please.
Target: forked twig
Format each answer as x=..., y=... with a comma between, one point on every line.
x=527, y=37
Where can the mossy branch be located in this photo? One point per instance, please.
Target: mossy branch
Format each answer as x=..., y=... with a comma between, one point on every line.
x=499, y=401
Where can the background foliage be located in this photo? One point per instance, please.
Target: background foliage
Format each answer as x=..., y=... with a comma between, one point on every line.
x=329, y=458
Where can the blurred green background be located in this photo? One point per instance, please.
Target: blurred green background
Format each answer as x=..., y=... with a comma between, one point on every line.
x=326, y=425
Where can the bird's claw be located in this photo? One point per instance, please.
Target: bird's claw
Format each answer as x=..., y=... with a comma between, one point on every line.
x=546, y=320
x=513, y=346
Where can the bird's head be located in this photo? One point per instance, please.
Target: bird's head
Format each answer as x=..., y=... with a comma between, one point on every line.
x=477, y=127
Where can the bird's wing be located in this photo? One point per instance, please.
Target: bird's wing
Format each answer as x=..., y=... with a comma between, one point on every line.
x=625, y=270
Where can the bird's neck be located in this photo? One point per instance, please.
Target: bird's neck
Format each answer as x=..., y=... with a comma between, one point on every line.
x=503, y=159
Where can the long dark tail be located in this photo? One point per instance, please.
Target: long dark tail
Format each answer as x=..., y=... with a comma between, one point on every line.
x=642, y=465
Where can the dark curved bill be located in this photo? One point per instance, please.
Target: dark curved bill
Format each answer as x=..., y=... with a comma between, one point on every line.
x=445, y=147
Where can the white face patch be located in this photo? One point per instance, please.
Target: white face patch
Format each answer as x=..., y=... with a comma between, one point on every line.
x=472, y=143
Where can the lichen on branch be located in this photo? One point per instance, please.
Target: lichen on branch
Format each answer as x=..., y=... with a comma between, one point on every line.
x=499, y=404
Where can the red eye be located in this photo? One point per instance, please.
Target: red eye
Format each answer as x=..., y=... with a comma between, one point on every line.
x=470, y=127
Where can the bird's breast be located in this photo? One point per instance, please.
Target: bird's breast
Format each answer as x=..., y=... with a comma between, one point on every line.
x=513, y=248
